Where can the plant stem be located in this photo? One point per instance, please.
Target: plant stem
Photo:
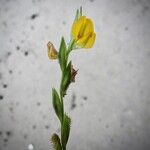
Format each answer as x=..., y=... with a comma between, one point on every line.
x=62, y=105
x=69, y=49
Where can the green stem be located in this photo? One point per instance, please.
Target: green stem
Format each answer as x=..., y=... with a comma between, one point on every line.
x=62, y=123
x=70, y=48
x=62, y=105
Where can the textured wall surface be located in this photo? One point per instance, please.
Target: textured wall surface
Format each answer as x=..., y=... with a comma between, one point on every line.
x=110, y=101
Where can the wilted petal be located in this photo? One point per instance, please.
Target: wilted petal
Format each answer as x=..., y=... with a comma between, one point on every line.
x=52, y=53
x=73, y=74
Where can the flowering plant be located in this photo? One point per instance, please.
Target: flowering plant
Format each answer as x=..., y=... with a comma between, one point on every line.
x=82, y=36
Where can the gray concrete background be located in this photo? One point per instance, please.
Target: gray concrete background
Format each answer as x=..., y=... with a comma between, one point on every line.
x=110, y=102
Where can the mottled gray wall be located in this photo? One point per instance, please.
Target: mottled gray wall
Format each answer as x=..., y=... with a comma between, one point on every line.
x=110, y=101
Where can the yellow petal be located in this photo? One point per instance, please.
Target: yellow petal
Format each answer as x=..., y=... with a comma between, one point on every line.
x=90, y=41
x=76, y=27
x=52, y=53
x=88, y=27
x=82, y=41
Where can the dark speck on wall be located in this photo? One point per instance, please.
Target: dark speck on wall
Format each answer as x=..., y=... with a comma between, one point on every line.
x=44, y=116
x=11, y=109
x=17, y=103
x=145, y=9
x=100, y=119
x=64, y=22
x=38, y=103
x=73, y=104
x=0, y=133
x=10, y=40
x=85, y=98
x=1, y=97
x=91, y=0
x=81, y=104
x=8, y=53
x=33, y=16
x=26, y=53
x=8, y=133
x=10, y=71
x=17, y=48
x=5, y=140
x=32, y=27
x=46, y=127
x=5, y=23
x=126, y=28
x=107, y=126
x=46, y=27
x=112, y=140
x=122, y=125
x=34, y=126
x=22, y=41
x=4, y=85
x=25, y=136
x=0, y=76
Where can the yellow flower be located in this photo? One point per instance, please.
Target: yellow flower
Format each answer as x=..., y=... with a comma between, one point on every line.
x=52, y=53
x=83, y=32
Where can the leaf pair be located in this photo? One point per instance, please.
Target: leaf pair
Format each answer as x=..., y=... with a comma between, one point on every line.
x=66, y=68
x=57, y=105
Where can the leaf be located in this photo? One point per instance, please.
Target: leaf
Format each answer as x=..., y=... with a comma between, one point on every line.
x=65, y=130
x=80, y=11
x=77, y=15
x=57, y=104
x=67, y=78
x=62, y=54
x=56, y=142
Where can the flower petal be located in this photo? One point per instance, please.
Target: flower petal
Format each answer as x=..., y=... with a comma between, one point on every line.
x=77, y=26
x=90, y=41
x=89, y=28
x=82, y=41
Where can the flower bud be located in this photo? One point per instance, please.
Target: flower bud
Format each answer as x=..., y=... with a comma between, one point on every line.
x=52, y=53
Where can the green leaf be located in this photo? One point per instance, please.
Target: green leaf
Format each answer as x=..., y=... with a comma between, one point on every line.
x=56, y=142
x=77, y=15
x=66, y=78
x=80, y=11
x=57, y=104
x=65, y=130
x=62, y=54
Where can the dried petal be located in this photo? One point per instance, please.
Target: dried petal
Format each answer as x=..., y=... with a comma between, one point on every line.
x=73, y=74
x=52, y=53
